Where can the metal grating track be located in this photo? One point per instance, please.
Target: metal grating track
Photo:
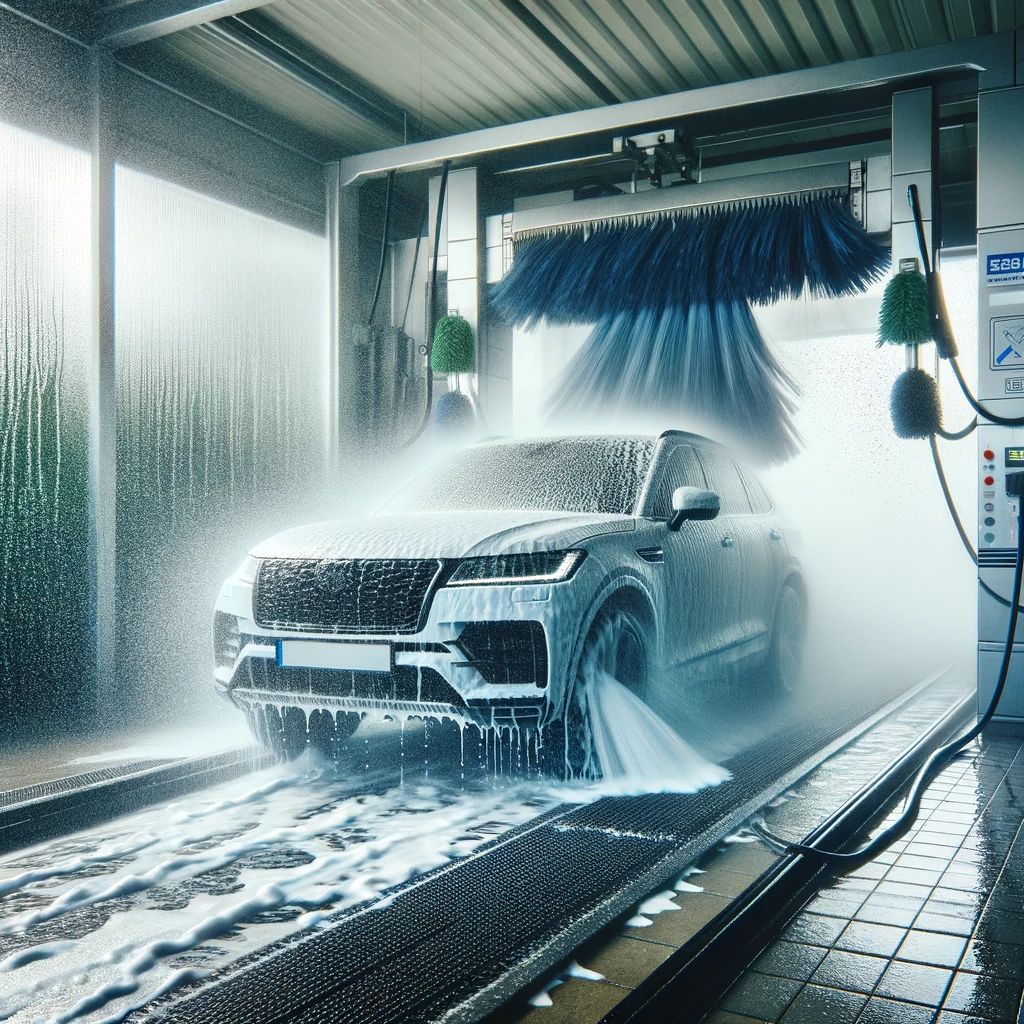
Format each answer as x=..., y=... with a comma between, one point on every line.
x=36, y=813
x=455, y=943
x=42, y=790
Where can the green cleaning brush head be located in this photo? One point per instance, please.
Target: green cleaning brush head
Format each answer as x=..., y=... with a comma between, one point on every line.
x=905, y=318
x=452, y=351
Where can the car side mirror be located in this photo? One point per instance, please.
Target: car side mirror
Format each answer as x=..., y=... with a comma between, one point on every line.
x=693, y=503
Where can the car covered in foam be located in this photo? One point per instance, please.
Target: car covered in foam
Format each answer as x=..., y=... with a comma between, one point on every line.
x=487, y=590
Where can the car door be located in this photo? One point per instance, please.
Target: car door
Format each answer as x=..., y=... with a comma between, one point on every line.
x=775, y=555
x=742, y=563
x=692, y=607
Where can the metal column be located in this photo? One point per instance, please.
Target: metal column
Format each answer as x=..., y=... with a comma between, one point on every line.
x=348, y=337
x=103, y=397
x=913, y=160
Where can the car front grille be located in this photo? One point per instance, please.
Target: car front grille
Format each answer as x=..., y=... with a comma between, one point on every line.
x=506, y=653
x=352, y=595
x=403, y=683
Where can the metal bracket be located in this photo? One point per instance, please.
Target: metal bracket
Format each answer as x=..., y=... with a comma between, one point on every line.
x=858, y=188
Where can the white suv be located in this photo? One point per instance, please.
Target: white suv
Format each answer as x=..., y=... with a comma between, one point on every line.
x=478, y=592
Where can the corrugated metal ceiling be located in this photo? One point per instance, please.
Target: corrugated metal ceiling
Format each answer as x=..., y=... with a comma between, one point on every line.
x=455, y=65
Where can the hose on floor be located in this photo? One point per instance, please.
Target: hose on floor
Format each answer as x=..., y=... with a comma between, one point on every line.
x=945, y=754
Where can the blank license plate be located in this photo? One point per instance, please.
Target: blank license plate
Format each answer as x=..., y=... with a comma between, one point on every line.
x=323, y=654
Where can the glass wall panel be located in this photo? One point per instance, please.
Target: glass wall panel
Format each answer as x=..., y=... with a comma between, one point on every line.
x=222, y=374
x=46, y=656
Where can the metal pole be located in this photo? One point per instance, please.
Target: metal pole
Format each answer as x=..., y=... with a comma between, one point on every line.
x=332, y=183
x=103, y=398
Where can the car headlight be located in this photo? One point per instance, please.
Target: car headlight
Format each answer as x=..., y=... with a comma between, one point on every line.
x=246, y=572
x=535, y=567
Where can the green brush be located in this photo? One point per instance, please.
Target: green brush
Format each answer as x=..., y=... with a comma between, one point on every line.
x=452, y=351
x=905, y=318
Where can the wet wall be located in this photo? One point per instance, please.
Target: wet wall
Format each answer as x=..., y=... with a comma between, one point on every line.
x=46, y=656
x=221, y=353
x=222, y=369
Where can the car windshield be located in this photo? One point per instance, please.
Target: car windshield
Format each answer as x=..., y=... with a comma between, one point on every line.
x=564, y=474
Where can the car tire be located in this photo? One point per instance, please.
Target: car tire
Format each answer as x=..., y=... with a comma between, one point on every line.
x=617, y=643
x=785, y=652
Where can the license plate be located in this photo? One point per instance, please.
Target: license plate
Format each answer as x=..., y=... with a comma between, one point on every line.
x=325, y=654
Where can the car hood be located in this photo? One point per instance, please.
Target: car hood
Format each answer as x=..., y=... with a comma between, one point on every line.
x=440, y=535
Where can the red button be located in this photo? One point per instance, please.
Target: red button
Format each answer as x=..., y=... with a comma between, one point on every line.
x=989, y=481
x=989, y=454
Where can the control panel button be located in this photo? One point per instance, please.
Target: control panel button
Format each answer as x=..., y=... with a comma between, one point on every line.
x=989, y=537
x=988, y=455
x=989, y=507
x=989, y=481
x=989, y=521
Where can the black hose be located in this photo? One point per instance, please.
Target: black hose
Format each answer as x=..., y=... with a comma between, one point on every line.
x=949, y=501
x=412, y=276
x=959, y=435
x=383, y=249
x=1002, y=421
x=431, y=303
x=940, y=758
x=915, y=206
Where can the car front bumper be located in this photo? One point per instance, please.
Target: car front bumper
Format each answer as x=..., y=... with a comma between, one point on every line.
x=488, y=655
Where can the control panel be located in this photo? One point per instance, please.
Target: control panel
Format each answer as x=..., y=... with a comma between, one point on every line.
x=997, y=510
x=1000, y=219
x=1001, y=319
x=1000, y=453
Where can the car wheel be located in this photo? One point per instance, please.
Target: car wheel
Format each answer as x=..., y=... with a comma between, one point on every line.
x=789, y=629
x=617, y=646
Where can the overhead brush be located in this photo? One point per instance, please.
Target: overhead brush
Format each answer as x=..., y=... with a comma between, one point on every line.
x=669, y=294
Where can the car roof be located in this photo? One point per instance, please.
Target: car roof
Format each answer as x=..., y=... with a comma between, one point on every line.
x=677, y=435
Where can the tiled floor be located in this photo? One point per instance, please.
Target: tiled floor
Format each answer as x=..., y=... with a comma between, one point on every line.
x=932, y=930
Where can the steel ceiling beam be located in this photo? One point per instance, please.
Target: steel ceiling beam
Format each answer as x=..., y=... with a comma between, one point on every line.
x=142, y=22
x=994, y=53
x=264, y=38
x=533, y=24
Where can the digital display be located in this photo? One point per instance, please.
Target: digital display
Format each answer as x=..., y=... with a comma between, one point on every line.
x=1015, y=457
x=1005, y=263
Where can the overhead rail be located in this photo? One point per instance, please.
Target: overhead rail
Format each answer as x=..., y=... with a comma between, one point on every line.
x=823, y=179
x=993, y=54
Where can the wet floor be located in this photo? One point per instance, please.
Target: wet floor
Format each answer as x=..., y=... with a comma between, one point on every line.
x=932, y=930
x=95, y=924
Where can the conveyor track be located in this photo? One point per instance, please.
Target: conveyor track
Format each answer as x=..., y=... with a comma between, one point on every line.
x=455, y=943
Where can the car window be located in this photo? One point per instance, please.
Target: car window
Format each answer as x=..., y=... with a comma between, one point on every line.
x=760, y=503
x=724, y=479
x=682, y=468
x=558, y=474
